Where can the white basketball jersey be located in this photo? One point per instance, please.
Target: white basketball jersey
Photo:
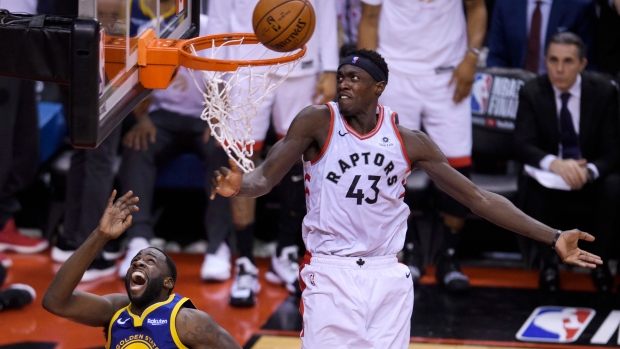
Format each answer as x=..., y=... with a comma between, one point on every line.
x=355, y=190
x=418, y=36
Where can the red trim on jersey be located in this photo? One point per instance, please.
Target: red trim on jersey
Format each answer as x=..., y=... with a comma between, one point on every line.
x=303, y=286
x=401, y=196
x=463, y=161
x=307, y=191
x=402, y=144
x=329, y=137
x=369, y=134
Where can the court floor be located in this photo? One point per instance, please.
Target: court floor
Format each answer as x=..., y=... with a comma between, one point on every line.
x=489, y=316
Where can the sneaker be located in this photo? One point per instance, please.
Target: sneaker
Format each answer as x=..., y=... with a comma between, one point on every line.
x=196, y=247
x=99, y=268
x=134, y=246
x=413, y=259
x=285, y=270
x=449, y=273
x=16, y=296
x=62, y=250
x=245, y=287
x=216, y=267
x=5, y=261
x=12, y=239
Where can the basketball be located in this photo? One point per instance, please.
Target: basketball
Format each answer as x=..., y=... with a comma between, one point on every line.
x=283, y=25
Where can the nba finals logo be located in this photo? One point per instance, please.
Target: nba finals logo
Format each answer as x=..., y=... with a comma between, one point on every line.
x=555, y=324
x=480, y=93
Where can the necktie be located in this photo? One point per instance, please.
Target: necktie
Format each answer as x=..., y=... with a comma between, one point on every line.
x=532, y=57
x=568, y=136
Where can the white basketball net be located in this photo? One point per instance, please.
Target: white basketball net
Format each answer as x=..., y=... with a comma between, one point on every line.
x=232, y=98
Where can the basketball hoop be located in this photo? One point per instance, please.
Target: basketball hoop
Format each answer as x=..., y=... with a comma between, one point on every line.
x=237, y=74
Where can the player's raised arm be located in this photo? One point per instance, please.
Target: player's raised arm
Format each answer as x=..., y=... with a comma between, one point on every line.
x=425, y=155
x=306, y=136
x=61, y=297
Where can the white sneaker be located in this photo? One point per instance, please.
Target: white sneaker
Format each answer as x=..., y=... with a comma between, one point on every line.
x=285, y=270
x=216, y=267
x=245, y=287
x=134, y=246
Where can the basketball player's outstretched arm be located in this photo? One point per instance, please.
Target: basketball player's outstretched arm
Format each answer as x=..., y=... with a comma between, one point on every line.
x=198, y=330
x=425, y=155
x=306, y=135
x=61, y=297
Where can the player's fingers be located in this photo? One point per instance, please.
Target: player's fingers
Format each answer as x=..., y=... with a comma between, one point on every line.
x=586, y=236
x=234, y=167
x=111, y=198
x=128, y=221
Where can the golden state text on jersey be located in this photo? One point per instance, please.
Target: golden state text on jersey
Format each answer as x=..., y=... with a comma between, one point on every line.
x=155, y=329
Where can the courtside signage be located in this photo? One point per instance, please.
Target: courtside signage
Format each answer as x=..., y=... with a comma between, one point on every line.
x=553, y=324
x=566, y=324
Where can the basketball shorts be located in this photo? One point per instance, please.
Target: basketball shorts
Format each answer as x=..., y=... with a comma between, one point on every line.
x=427, y=100
x=280, y=106
x=353, y=302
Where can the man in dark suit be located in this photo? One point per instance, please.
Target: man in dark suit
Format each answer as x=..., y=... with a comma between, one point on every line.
x=513, y=21
x=567, y=131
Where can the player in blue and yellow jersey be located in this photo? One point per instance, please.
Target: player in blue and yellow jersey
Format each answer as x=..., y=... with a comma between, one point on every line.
x=149, y=315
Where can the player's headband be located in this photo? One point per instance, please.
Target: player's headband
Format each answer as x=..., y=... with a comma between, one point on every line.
x=364, y=63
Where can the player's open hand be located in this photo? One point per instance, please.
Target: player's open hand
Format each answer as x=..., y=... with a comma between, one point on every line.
x=226, y=182
x=566, y=247
x=117, y=215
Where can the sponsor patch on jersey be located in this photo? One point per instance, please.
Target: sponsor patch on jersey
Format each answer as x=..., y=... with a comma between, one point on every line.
x=555, y=324
x=386, y=142
x=156, y=321
x=480, y=93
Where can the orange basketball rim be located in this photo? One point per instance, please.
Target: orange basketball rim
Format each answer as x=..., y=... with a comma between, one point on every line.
x=159, y=59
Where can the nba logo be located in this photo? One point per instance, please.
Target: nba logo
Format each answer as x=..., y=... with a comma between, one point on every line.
x=555, y=324
x=354, y=60
x=480, y=92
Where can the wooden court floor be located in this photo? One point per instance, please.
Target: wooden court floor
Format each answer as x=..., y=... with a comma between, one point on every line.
x=256, y=328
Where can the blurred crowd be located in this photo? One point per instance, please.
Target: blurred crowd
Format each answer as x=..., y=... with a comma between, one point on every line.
x=564, y=138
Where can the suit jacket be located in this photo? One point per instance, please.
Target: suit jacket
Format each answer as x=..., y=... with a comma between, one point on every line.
x=507, y=37
x=537, y=126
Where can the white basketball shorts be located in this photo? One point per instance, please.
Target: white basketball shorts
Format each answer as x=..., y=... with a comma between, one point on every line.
x=427, y=100
x=353, y=302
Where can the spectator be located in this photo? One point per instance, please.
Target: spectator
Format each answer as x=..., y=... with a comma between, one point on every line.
x=172, y=127
x=606, y=38
x=91, y=172
x=567, y=131
x=520, y=30
x=436, y=71
x=19, y=150
x=312, y=81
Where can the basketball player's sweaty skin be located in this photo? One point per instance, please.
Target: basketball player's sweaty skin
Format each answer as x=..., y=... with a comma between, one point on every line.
x=311, y=134
x=149, y=283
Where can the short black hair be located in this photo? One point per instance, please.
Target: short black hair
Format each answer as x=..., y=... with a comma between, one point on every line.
x=374, y=56
x=568, y=38
x=172, y=268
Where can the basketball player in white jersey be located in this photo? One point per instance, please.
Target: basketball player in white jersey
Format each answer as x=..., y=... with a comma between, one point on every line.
x=356, y=160
x=432, y=47
x=312, y=81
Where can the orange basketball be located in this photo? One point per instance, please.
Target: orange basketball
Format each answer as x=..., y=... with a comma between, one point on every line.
x=283, y=25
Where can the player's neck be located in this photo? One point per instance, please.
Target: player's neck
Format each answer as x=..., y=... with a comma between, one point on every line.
x=363, y=122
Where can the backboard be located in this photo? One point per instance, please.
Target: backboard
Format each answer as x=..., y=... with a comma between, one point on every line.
x=105, y=87
x=93, y=52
